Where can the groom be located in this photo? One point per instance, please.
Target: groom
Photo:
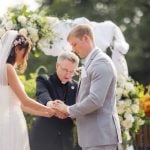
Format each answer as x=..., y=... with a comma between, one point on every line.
x=95, y=109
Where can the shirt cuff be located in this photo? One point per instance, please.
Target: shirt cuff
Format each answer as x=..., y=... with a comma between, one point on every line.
x=68, y=111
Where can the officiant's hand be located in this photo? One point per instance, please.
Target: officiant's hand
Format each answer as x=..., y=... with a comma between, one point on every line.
x=61, y=109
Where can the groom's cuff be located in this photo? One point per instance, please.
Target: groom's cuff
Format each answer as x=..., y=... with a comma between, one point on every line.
x=68, y=111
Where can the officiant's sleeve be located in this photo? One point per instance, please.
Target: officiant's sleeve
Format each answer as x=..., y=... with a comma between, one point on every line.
x=42, y=93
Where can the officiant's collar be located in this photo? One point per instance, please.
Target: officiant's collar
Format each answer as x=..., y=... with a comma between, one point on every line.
x=86, y=59
x=56, y=78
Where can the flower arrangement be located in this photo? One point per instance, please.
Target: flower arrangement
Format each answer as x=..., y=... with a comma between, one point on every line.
x=145, y=103
x=130, y=114
x=36, y=27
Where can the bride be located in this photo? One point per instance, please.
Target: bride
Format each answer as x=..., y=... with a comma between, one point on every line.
x=14, y=50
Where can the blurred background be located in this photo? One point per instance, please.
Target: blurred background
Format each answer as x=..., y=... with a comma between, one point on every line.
x=132, y=17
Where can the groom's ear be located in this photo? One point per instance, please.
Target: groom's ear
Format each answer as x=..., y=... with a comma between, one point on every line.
x=57, y=65
x=85, y=37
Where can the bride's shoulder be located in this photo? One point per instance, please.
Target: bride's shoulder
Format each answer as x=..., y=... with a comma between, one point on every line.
x=9, y=65
x=12, y=75
x=10, y=69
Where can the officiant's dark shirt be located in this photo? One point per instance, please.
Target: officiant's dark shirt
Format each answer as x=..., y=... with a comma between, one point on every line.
x=53, y=133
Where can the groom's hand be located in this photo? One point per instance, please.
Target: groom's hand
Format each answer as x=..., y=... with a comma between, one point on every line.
x=61, y=109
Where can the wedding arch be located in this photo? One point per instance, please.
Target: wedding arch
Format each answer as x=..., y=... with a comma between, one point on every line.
x=107, y=34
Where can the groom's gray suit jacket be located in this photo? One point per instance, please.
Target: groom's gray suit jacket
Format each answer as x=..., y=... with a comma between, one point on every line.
x=95, y=108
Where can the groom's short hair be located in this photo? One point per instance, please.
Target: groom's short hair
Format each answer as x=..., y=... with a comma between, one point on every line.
x=68, y=56
x=80, y=30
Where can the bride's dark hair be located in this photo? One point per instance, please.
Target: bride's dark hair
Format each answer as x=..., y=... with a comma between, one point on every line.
x=20, y=42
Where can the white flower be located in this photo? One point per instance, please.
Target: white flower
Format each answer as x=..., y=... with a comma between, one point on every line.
x=135, y=108
x=33, y=34
x=128, y=109
x=127, y=135
x=121, y=81
x=119, y=93
x=121, y=107
x=128, y=102
x=44, y=45
x=129, y=87
x=140, y=121
x=127, y=123
x=9, y=25
x=23, y=31
x=125, y=93
x=35, y=17
x=128, y=116
x=137, y=101
x=52, y=20
x=22, y=20
x=120, y=118
x=2, y=31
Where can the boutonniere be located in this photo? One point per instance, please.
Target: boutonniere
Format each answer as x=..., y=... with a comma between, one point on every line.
x=83, y=72
x=78, y=71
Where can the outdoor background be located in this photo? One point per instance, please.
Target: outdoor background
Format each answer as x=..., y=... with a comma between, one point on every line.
x=132, y=16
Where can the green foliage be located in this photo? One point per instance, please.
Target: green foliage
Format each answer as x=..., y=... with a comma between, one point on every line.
x=30, y=89
x=29, y=84
x=34, y=63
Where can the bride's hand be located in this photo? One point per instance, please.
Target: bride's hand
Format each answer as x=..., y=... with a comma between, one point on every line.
x=49, y=113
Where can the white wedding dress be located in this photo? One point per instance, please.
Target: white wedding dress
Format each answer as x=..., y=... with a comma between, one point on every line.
x=13, y=128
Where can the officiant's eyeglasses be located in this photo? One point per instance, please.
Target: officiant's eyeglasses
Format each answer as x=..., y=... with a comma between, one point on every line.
x=67, y=71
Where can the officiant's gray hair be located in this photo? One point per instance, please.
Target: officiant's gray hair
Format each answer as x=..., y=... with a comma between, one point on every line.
x=68, y=56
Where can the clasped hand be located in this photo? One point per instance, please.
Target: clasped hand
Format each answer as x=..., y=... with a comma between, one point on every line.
x=59, y=109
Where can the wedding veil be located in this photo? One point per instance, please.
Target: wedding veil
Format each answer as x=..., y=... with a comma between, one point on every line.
x=6, y=43
x=6, y=117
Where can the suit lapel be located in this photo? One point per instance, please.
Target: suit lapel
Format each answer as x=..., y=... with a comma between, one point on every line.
x=87, y=65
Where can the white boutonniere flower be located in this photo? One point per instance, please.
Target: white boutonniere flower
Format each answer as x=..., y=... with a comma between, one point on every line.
x=83, y=72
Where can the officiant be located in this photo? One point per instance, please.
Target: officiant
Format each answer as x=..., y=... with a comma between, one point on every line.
x=54, y=133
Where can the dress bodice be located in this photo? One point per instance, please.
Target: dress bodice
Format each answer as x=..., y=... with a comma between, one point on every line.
x=9, y=100
x=14, y=100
